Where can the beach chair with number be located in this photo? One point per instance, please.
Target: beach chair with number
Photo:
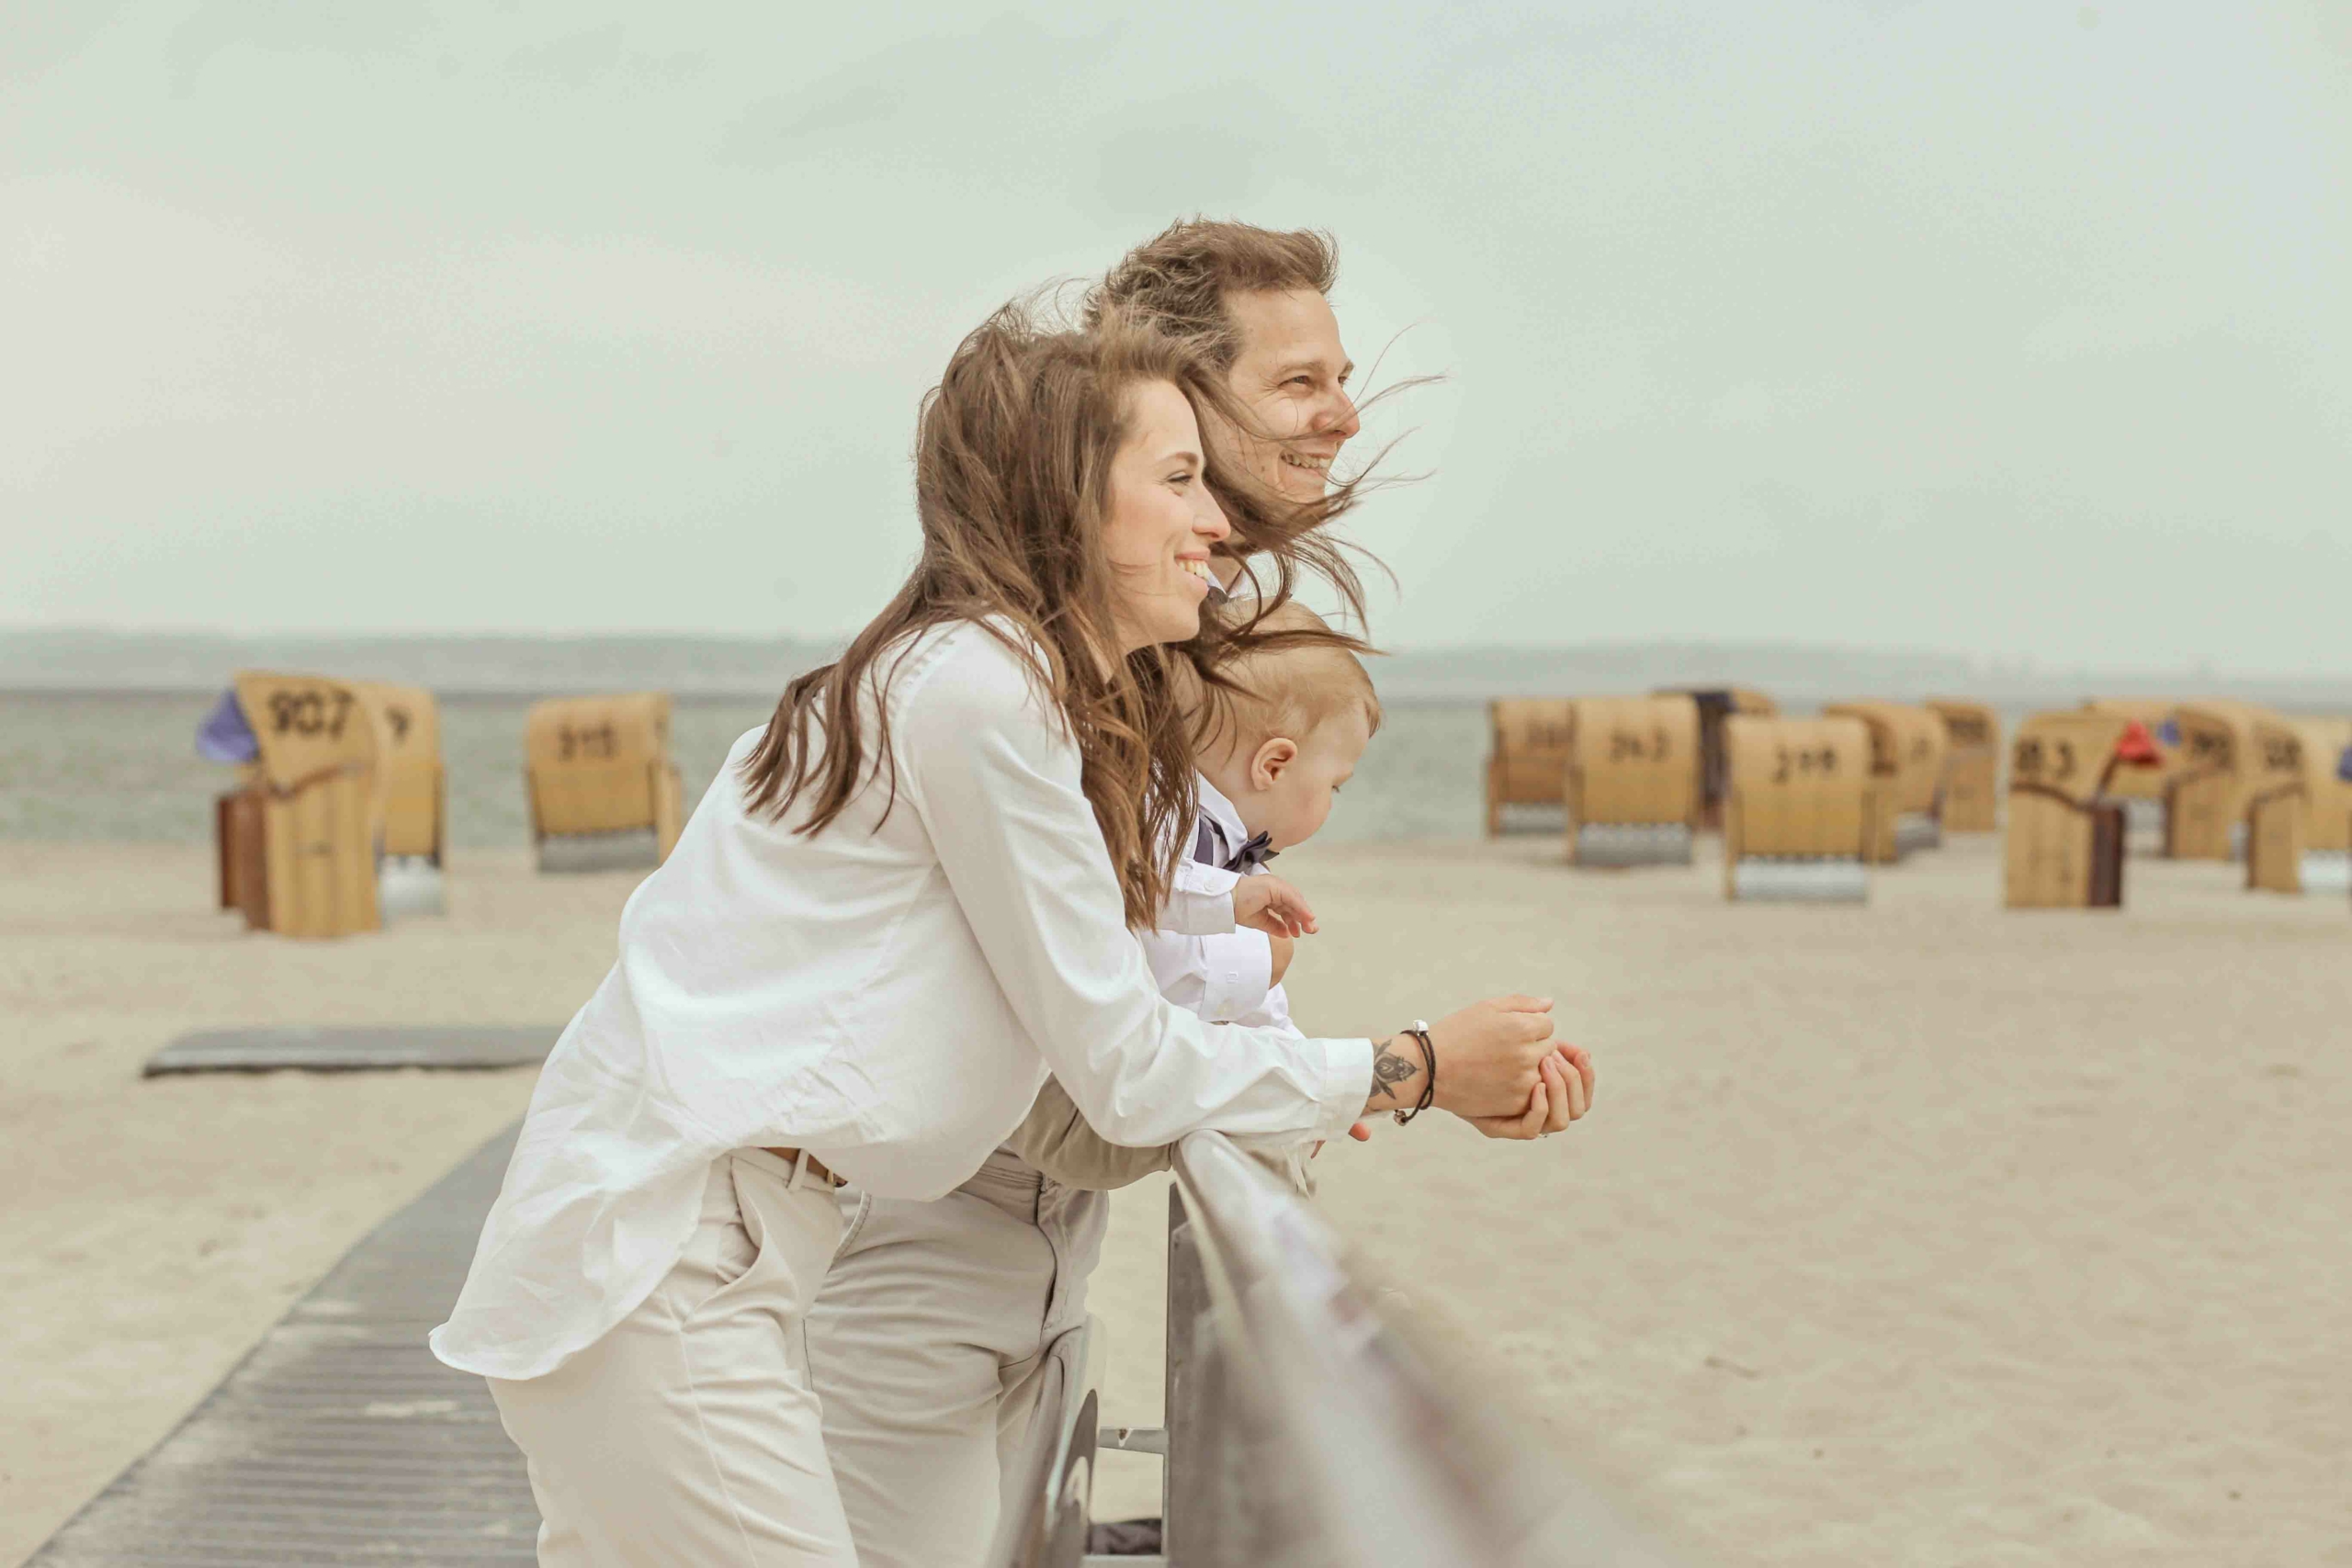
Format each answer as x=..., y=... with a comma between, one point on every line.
x=415, y=787
x=1800, y=810
x=602, y=792
x=2065, y=836
x=1527, y=764
x=2276, y=824
x=1972, y=765
x=2234, y=759
x=299, y=841
x=1632, y=788
x=1907, y=758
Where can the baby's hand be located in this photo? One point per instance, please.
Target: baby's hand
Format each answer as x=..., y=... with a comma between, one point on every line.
x=1282, y=947
x=1271, y=905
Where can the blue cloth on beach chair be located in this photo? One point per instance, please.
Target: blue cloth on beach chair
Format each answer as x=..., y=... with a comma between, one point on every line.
x=224, y=736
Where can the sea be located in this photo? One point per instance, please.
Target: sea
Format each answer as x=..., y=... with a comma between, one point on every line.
x=97, y=728
x=123, y=767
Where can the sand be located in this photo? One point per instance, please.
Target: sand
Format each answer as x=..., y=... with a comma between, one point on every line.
x=1919, y=1233
x=152, y=1229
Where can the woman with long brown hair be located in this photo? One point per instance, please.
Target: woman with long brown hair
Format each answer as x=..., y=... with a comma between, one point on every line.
x=900, y=904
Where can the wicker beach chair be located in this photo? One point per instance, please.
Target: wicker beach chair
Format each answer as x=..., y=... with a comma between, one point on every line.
x=1631, y=786
x=602, y=790
x=1972, y=779
x=298, y=839
x=1528, y=764
x=2064, y=847
x=1907, y=757
x=1801, y=811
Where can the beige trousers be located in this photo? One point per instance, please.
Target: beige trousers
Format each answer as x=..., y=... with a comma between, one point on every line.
x=690, y=1434
x=928, y=1347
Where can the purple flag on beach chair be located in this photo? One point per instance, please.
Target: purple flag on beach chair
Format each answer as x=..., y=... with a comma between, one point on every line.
x=224, y=736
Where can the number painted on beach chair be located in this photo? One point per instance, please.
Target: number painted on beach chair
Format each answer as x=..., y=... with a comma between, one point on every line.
x=1791, y=762
x=599, y=744
x=310, y=710
x=2051, y=760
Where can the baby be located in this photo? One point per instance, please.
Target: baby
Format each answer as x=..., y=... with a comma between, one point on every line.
x=1272, y=754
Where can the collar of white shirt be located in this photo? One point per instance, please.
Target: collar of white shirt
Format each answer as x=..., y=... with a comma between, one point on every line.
x=1221, y=815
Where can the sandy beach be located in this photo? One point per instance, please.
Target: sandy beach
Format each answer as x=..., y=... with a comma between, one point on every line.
x=1919, y=1233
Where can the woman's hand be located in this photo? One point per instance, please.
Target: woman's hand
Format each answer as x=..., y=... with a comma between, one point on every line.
x=1271, y=905
x=1562, y=1094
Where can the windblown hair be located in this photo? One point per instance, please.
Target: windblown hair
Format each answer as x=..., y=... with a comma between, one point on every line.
x=1013, y=456
x=1180, y=283
x=1177, y=282
x=1293, y=675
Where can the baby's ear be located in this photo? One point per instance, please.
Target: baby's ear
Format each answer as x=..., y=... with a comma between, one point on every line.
x=1275, y=754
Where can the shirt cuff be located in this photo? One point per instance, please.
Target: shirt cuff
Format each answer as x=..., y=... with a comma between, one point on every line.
x=1346, y=1084
x=1237, y=970
x=1201, y=909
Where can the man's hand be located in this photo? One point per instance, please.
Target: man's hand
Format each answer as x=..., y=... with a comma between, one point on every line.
x=1271, y=905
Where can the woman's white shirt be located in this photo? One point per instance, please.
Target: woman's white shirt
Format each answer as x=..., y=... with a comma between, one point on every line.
x=887, y=994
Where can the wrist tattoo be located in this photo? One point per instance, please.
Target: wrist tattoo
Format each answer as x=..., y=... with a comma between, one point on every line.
x=1389, y=1069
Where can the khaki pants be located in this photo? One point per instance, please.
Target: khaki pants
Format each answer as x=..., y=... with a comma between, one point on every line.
x=928, y=1345
x=689, y=1434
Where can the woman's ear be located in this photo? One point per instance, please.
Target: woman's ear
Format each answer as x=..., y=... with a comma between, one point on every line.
x=1266, y=766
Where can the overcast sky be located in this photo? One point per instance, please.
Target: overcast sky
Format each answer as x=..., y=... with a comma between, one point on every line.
x=2015, y=329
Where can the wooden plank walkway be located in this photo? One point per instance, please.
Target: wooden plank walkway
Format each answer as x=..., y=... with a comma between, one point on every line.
x=339, y=1439
x=352, y=1049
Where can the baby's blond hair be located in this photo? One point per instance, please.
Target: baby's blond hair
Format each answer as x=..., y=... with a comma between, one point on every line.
x=1289, y=679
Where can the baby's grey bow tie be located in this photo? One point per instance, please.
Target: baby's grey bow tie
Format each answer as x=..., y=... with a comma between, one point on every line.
x=1254, y=853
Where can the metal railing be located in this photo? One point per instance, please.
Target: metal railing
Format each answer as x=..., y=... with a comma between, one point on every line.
x=1303, y=1428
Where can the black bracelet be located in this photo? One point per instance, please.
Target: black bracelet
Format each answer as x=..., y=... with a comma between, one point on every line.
x=1420, y=1032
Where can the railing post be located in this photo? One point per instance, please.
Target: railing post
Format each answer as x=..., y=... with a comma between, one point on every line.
x=1188, y=1428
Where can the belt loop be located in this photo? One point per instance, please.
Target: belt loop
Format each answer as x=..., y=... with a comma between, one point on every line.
x=799, y=1169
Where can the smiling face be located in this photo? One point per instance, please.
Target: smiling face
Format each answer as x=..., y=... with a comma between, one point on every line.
x=1162, y=521
x=1292, y=374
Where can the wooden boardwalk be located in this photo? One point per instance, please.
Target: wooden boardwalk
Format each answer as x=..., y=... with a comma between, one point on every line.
x=362, y=1049
x=339, y=1439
